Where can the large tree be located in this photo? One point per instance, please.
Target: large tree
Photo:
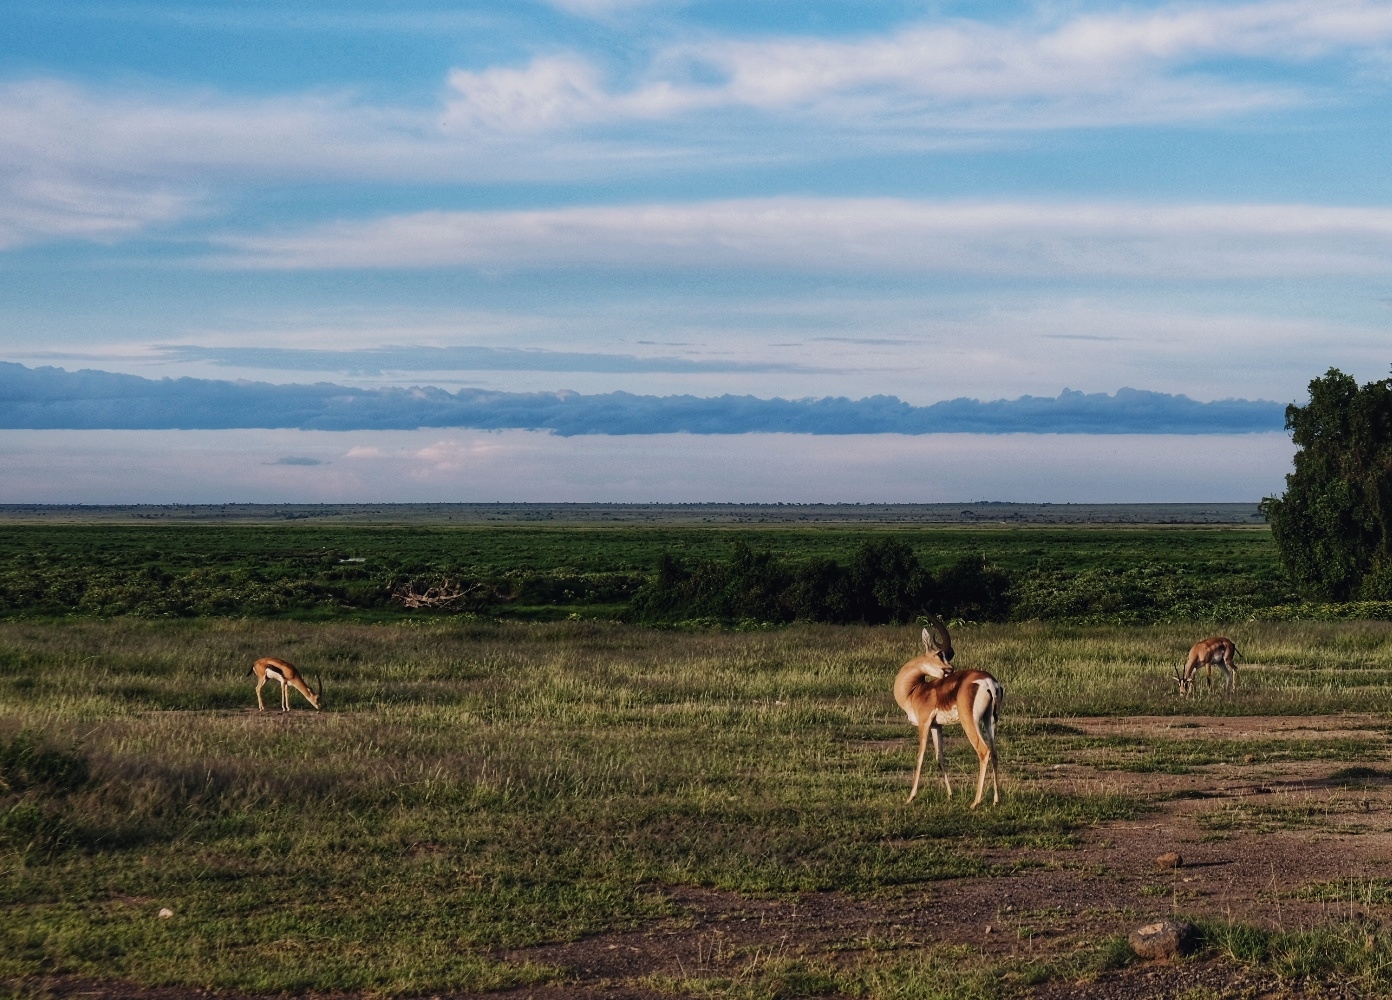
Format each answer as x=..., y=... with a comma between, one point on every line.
x=1333, y=526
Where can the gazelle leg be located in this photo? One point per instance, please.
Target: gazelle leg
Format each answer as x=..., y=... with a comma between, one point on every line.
x=284, y=696
x=982, y=733
x=984, y=753
x=922, y=748
x=990, y=735
x=938, y=756
x=259, y=685
x=995, y=786
x=986, y=757
x=981, y=761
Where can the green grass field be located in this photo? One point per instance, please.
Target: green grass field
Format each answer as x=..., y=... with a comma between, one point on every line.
x=480, y=787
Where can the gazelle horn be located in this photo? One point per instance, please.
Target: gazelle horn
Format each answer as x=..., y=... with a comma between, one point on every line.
x=941, y=638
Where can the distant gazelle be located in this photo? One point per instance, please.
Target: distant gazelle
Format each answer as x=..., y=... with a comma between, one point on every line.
x=1218, y=651
x=271, y=668
x=933, y=694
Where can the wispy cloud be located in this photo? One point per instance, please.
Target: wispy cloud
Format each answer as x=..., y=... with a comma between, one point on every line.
x=489, y=466
x=376, y=360
x=50, y=398
x=94, y=162
x=884, y=235
x=1127, y=67
x=77, y=163
x=604, y=10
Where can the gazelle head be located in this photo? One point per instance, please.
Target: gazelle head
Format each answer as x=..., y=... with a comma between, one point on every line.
x=316, y=696
x=936, y=640
x=1186, y=684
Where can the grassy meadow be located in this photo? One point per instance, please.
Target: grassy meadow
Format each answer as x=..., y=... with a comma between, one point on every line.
x=475, y=788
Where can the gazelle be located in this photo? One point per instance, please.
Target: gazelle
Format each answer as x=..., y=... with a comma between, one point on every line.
x=933, y=694
x=936, y=660
x=1217, y=651
x=273, y=669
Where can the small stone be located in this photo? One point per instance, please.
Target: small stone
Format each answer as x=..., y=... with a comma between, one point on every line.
x=1162, y=939
x=165, y=913
x=1170, y=859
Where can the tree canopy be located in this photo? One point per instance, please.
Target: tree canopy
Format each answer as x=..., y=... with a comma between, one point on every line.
x=1333, y=526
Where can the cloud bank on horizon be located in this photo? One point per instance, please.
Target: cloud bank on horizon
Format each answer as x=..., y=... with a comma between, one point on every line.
x=54, y=399
x=699, y=216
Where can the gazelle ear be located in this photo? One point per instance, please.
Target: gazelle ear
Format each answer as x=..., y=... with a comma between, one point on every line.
x=927, y=641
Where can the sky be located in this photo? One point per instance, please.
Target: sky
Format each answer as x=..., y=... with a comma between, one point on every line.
x=648, y=250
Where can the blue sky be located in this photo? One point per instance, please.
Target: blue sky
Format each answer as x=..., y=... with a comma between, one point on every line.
x=930, y=201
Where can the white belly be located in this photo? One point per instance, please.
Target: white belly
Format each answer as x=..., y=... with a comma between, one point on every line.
x=946, y=717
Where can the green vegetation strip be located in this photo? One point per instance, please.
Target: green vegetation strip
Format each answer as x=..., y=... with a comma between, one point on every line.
x=1117, y=575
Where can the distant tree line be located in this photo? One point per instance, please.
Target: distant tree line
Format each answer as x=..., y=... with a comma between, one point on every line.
x=884, y=583
x=880, y=577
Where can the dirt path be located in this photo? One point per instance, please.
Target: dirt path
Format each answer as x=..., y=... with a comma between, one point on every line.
x=1235, y=727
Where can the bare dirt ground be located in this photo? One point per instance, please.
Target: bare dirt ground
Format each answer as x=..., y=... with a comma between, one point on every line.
x=1251, y=837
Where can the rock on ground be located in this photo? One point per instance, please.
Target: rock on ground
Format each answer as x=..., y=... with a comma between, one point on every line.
x=1162, y=939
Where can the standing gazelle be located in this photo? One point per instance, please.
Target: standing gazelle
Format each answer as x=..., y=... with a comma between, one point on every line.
x=1219, y=651
x=933, y=694
x=271, y=668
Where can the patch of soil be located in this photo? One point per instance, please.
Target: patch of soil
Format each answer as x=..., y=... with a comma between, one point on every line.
x=1292, y=825
x=1188, y=979
x=1235, y=727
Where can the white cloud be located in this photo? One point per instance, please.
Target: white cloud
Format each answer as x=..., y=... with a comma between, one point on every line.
x=839, y=235
x=922, y=344
x=75, y=163
x=89, y=163
x=559, y=91
x=34, y=207
x=453, y=456
x=1136, y=66
x=604, y=10
x=400, y=466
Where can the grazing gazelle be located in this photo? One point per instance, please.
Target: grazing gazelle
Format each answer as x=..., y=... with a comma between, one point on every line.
x=933, y=694
x=271, y=668
x=1218, y=651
